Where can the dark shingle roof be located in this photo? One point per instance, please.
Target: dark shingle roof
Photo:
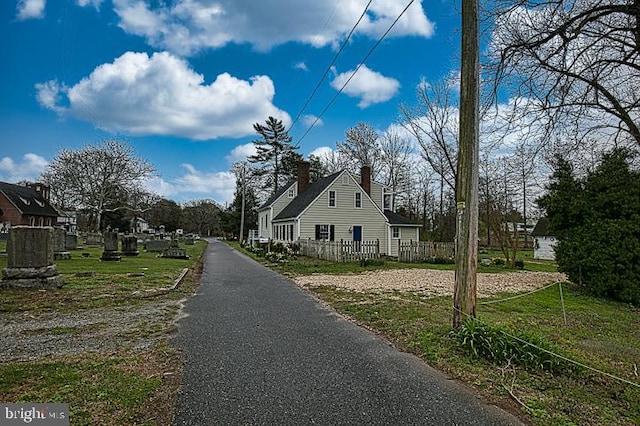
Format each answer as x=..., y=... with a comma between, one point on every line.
x=297, y=206
x=27, y=201
x=542, y=228
x=276, y=195
x=398, y=219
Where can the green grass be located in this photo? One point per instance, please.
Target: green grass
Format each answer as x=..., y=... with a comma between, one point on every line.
x=109, y=284
x=122, y=388
x=601, y=334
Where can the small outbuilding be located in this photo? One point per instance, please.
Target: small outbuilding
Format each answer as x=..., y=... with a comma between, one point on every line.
x=544, y=242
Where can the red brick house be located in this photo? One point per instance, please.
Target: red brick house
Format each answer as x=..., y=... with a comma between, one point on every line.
x=26, y=205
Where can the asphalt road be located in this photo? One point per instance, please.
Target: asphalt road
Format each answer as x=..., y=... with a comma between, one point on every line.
x=260, y=350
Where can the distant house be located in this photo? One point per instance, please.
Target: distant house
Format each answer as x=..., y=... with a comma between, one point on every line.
x=26, y=205
x=68, y=220
x=336, y=207
x=543, y=242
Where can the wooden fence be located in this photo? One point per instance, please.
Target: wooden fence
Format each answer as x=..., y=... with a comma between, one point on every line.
x=340, y=251
x=420, y=251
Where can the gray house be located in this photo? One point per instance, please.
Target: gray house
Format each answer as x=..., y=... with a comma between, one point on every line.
x=544, y=242
x=340, y=206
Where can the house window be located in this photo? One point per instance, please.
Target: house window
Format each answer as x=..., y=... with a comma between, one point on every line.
x=358, y=200
x=291, y=193
x=387, y=201
x=325, y=232
x=395, y=233
x=332, y=198
x=345, y=179
x=291, y=232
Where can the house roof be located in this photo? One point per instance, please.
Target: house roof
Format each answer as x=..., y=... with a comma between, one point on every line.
x=27, y=201
x=399, y=220
x=298, y=204
x=542, y=228
x=277, y=195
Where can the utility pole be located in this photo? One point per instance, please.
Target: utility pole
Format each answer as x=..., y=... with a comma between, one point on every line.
x=242, y=207
x=464, y=299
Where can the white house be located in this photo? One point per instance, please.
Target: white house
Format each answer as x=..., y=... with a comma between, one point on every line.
x=341, y=206
x=544, y=243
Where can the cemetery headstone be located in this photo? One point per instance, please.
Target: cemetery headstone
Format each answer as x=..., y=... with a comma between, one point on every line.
x=110, y=252
x=157, y=246
x=93, y=239
x=71, y=241
x=130, y=245
x=59, y=247
x=30, y=259
x=175, y=253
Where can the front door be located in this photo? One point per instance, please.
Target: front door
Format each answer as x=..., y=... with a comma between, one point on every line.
x=357, y=238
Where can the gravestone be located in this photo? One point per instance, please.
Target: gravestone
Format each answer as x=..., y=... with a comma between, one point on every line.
x=175, y=253
x=110, y=253
x=157, y=246
x=59, y=247
x=189, y=241
x=93, y=239
x=130, y=245
x=71, y=241
x=30, y=259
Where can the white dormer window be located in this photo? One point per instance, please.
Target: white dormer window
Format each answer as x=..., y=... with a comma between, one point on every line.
x=291, y=193
x=25, y=201
x=332, y=198
x=387, y=201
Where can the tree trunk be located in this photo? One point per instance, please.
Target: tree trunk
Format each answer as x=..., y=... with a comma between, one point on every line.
x=468, y=161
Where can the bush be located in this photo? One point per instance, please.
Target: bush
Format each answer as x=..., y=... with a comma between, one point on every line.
x=496, y=344
x=519, y=263
x=371, y=262
x=497, y=261
x=440, y=261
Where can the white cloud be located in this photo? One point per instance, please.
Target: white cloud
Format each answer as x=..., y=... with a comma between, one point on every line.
x=162, y=95
x=193, y=183
x=322, y=152
x=301, y=66
x=188, y=26
x=30, y=9
x=368, y=85
x=309, y=120
x=241, y=152
x=28, y=169
x=94, y=3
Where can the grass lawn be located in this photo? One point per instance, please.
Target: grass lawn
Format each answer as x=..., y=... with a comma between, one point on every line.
x=127, y=386
x=598, y=333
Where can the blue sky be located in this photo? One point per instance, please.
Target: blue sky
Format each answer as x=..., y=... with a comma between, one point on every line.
x=183, y=81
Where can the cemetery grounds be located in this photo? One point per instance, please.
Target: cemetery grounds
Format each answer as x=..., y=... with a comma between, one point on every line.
x=100, y=343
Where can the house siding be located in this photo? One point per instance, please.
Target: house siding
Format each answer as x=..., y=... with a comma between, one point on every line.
x=407, y=234
x=544, y=248
x=265, y=216
x=345, y=215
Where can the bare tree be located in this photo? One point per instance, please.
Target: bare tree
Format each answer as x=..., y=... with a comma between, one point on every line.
x=362, y=146
x=395, y=155
x=578, y=61
x=98, y=178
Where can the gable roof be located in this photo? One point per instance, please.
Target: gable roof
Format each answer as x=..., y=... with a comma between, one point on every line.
x=302, y=201
x=542, y=228
x=277, y=195
x=27, y=201
x=396, y=219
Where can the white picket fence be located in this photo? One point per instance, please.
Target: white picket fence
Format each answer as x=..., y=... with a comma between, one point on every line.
x=340, y=251
x=420, y=251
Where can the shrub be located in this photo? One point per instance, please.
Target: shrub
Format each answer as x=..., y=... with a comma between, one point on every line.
x=371, y=262
x=497, y=261
x=496, y=344
x=519, y=263
x=440, y=260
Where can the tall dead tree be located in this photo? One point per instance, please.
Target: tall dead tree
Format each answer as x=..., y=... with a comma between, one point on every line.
x=464, y=300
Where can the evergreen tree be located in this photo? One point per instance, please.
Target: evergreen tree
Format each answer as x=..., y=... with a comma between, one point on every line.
x=597, y=222
x=272, y=148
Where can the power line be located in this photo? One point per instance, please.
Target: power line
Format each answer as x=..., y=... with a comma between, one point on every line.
x=354, y=72
x=326, y=71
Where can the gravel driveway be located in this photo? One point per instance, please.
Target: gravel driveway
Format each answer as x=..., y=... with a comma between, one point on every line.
x=432, y=282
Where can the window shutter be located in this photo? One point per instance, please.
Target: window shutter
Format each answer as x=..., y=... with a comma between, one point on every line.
x=332, y=230
x=317, y=232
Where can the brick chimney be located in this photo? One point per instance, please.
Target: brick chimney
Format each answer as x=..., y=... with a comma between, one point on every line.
x=365, y=179
x=43, y=190
x=303, y=175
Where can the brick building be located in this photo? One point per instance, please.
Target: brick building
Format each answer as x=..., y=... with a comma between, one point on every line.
x=25, y=205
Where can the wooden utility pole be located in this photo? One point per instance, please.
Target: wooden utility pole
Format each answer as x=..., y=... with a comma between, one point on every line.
x=464, y=299
x=242, y=208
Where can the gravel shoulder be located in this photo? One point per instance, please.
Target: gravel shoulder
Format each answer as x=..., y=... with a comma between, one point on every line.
x=431, y=282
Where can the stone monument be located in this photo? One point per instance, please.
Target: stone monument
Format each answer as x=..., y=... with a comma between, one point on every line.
x=110, y=252
x=30, y=259
x=130, y=245
x=59, y=244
